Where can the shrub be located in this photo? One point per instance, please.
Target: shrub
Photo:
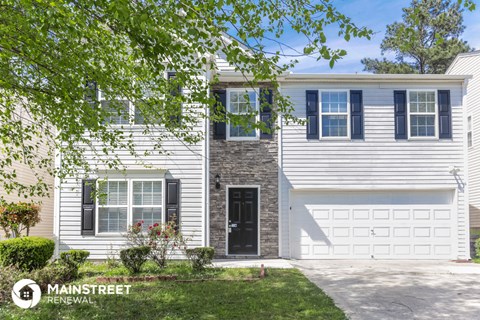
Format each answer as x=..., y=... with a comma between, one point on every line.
x=163, y=240
x=134, y=258
x=17, y=217
x=477, y=247
x=8, y=276
x=74, y=257
x=57, y=272
x=27, y=253
x=200, y=257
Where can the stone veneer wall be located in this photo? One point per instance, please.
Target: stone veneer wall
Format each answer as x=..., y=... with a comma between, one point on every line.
x=244, y=163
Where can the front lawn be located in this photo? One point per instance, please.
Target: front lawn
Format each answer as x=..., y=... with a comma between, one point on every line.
x=283, y=294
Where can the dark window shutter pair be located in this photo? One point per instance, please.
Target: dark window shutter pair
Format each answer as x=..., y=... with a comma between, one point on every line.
x=356, y=114
x=88, y=207
x=172, y=201
x=266, y=102
x=444, y=114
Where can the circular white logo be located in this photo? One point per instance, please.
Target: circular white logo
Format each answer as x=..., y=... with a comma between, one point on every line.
x=26, y=293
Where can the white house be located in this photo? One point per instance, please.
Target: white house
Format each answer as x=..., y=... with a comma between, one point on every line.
x=378, y=172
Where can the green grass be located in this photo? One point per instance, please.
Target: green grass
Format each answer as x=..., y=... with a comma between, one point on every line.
x=283, y=294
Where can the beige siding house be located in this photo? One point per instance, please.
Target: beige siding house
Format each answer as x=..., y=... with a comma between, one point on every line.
x=26, y=175
x=469, y=63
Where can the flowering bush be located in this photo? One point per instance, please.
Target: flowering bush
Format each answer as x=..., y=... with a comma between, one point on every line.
x=17, y=217
x=163, y=240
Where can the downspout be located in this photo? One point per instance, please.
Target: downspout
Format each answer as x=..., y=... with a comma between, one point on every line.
x=56, y=206
x=466, y=187
x=207, y=162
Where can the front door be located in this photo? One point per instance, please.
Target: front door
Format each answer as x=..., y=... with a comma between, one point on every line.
x=243, y=221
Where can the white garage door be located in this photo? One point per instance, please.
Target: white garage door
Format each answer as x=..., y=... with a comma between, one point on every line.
x=380, y=225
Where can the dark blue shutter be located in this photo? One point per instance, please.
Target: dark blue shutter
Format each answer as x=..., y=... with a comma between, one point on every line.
x=312, y=114
x=172, y=201
x=91, y=93
x=88, y=208
x=444, y=114
x=400, y=103
x=220, y=127
x=266, y=101
x=174, y=92
x=356, y=113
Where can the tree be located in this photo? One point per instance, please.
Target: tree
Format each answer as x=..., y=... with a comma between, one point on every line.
x=55, y=54
x=426, y=41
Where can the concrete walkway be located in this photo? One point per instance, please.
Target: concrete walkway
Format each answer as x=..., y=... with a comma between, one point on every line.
x=383, y=290
x=252, y=263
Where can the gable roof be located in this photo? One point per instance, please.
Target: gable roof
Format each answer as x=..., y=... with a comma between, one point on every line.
x=462, y=55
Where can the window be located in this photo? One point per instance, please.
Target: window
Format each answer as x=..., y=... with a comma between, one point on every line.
x=242, y=102
x=334, y=114
x=113, y=206
x=124, y=202
x=118, y=111
x=422, y=113
x=469, y=132
x=147, y=202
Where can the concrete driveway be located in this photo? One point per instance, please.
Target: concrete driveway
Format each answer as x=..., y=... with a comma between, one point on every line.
x=370, y=290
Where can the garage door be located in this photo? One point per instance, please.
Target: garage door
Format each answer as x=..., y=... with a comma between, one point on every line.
x=366, y=225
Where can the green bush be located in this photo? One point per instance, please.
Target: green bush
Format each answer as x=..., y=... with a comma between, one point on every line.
x=134, y=258
x=57, y=272
x=200, y=257
x=26, y=253
x=74, y=257
x=477, y=247
x=8, y=276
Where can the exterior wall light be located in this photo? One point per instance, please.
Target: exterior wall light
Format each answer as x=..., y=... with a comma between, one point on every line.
x=217, y=181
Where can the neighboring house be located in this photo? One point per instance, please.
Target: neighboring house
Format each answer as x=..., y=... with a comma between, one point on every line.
x=26, y=176
x=469, y=63
x=378, y=172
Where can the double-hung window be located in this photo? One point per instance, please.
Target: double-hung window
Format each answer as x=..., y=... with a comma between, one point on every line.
x=118, y=111
x=244, y=103
x=334, y=114
x=147, y=201
x=422, y=109
x=125, y=202
x=113, y=206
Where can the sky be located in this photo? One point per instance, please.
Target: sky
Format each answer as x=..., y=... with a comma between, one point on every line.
x=376, y=15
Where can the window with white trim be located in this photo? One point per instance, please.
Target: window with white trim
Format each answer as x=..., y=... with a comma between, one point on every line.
x=469, y=132
x=118, y=111
x=125, y=202
x=147, y=202
x=422, y=113
x=334, y=114
x=113, y=206
x=242, y=102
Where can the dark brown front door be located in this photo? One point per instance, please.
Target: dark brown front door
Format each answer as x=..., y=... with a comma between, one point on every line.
x=243, y=221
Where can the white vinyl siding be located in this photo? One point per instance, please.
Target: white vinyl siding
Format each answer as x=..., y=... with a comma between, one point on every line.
x=470, y=64
x=377, y=163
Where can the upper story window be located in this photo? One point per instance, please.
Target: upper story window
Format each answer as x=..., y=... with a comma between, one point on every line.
x=118, y=111
x=334, y=114
x=422, y=114
x=242, y=102
x=125, y=202
x=469, y=132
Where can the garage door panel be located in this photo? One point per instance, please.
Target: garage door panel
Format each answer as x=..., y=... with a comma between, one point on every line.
x=363, y=231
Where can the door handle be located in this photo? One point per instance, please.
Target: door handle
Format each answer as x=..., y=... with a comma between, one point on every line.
x=233, y=225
